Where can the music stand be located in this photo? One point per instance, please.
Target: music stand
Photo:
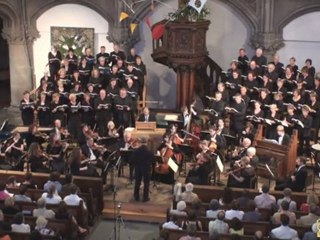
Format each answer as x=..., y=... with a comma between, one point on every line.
x=188, y=151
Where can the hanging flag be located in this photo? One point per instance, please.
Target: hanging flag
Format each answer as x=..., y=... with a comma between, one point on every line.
x=133, y=27
x=123, y=16
x=148, y=21
x=197, y=4
x=158, y=31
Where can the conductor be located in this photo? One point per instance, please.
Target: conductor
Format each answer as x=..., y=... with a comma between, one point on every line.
x=142, y=159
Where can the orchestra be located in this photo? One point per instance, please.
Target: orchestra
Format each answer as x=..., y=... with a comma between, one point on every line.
x=90, y=106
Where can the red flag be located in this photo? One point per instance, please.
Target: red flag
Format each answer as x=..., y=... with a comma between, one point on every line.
x=158, y=31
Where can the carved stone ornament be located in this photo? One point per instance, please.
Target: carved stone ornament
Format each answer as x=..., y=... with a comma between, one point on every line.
x=270, y=42
x=12, y=35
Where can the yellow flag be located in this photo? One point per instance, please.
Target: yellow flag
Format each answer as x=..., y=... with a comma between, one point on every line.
x=133, y=27
x=123, y=16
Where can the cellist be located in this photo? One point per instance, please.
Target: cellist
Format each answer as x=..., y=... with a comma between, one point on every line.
x=175, y=140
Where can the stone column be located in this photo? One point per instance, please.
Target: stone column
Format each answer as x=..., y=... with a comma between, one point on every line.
x=266, y=35
x=20, y=70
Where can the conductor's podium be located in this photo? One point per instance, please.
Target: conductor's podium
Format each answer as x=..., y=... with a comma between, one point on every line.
x=148, y=131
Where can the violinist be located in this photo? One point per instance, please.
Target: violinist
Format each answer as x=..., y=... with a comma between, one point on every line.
x=36, y=159
x=199, y=172
x=61, y=132
x=75, y=164
x=14, y=150
x=175, y=140
x=241, y=175
x=95, y=154
x=86, y=133
x=27, y=106
x=35, y=136
x=112, y=131
x=216, y=139
x=56, y=150
x=241, y=151
x=43, y=111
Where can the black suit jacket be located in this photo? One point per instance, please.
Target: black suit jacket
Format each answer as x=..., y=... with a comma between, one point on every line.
x=285, y=140
x=152, y=118
x=300, y=183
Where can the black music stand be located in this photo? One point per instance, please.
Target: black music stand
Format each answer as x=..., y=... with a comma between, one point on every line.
x=111, y=166
x=187, y=151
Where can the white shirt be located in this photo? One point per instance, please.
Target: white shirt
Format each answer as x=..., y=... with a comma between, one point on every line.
x=73, y=200
x=230, y=214
x=170, y=225
x=284, y=232
x=280, y=140
x=20, y=228
x=56, y=199
x=264, y=200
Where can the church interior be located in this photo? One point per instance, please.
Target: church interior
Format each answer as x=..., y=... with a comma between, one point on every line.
x=159, y=119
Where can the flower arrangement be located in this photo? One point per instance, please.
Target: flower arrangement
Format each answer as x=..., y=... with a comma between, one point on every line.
x=188, y=13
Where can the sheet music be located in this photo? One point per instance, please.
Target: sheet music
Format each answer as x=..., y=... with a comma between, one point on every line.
x=219, y=164
x=173, y=165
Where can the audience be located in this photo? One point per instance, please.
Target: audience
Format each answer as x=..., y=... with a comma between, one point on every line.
x=28, y=181
x=3, y=192
x=52, y=197
x=171, y=224
x=236, y=227
x=192, y=219
x=312, y=198
x=191, y=230
x=53, y=180
x=66, y=188
x=12, y=182
x=309, y=219
x=244, y=199
x=234, y=212
x=42, y=210
x=180, y=211
x=287, y=197
x=284, y=231
x=19, y=225
x=218, y=225
x=73, y=198
x=265, y=200
x=36, y=235
x=22, y=197
x=252, y=215
x=214, y=209
x=9, y=207
x=188, y=196
x=227, y=197
x=284, y=209
x=41, y=226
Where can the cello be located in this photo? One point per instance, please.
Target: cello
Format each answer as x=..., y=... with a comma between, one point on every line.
x=166, y=153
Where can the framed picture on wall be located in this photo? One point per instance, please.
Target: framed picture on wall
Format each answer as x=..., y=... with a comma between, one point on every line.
x=72, y=37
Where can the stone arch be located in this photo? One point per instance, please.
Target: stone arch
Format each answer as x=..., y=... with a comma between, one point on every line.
x=8, y=15
x=297, y=13
x=52, y=4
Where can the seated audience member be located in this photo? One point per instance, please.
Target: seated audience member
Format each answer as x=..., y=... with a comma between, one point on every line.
x=22, y=197
x=236, y=227
x=28, y=181
x=171, y=224
x=180, y=211
x=191, y=230
x=73, y=198
x=265, y=200
x=52, y=196
x=284, y=231
x=312, y=198
x=36, y=235
x=41, y=226
x=53, y=180
x=9, y=207
x=196, y=206
x=227, y=197
x=66, y=188
x=213, y=209
x=188, y=195
x=234, y=212
x=3, y=192
x=244, y=199
x=309, y=219
x=18, y=224
x=192, y=220
x=287, y=197
x=42, y=210
x=252, y=215
x=284, y=209
x=218, y=225
x=63, y=214
x=4, y=225
x=12, y=182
